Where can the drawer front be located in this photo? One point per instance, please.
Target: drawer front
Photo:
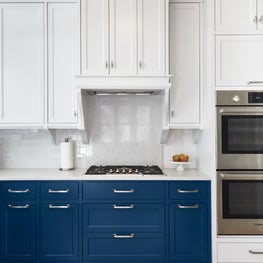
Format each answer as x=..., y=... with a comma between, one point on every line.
x=123, y=190
x=123, y=217
x=18, y=190
x=123, y=247
x=240, y=252
x=59, y=191
x=189, y=190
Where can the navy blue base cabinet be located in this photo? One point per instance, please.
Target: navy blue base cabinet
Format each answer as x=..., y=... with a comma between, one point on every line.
x=105, y=221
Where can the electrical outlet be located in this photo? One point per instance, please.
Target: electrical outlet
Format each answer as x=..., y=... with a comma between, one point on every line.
x=8, y=157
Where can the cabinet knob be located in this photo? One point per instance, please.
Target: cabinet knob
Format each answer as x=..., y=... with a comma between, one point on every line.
x=111, y=64
x=261, y=19
x=75, y=113
x=255, y=20
x=172, y=113
x=140, y=64
x=106, y=64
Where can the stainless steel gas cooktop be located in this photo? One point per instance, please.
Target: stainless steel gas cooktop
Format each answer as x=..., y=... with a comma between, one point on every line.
x=124, y=169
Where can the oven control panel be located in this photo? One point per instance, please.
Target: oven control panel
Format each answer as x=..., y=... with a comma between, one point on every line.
x=255, y=97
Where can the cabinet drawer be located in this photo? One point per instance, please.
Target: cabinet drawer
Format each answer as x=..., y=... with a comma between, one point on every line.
x=18, y=190
x=189, y=190
x=123, y=217
x=240, y=252
x=123, y=190
x=123, y=247
x=59, y=191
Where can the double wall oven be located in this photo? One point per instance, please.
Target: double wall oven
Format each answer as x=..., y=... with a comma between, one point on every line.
x=240, y=162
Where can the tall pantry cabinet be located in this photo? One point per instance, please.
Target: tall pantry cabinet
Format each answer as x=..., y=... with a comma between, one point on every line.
x=39, y=58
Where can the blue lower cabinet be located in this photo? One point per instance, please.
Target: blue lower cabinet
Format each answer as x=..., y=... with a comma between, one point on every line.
x=124, y=247
x=59, y=232
x=18, y=232
x=189, y=232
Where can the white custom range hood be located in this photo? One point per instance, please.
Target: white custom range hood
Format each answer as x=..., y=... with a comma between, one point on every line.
x=93, y=88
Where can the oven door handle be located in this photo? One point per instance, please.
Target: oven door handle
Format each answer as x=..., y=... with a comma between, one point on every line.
x=240, y=110
x=245, y=176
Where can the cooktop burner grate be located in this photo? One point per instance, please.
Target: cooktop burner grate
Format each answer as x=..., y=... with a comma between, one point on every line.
x=124, y=169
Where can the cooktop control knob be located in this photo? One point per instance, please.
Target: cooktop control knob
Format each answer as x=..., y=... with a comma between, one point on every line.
x=236, y=98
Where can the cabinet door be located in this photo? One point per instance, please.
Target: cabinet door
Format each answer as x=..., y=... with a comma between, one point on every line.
x=184, y=63
x=22, y=63
x=123, y=37
x=239, y=60
x=95, y=37
x=59, y=237
x=62, y=61
x=18, y=231
x=236, y=15
x=151, y=33
x=189, y=232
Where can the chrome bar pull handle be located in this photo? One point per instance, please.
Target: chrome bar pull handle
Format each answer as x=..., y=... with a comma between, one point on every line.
x=18, y=206
x=254, y=82
x=188, y=206
x=123, y=206
x=51, y=191
x=195, y=191
x=59, y=206
x=123, y=191
x=255, y=252
x=124, y=236
x=18, y=191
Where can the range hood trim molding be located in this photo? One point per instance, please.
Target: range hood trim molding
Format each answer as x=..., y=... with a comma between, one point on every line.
x=127, y=83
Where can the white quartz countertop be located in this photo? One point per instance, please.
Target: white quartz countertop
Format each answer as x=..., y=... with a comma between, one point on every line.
x=78, y=174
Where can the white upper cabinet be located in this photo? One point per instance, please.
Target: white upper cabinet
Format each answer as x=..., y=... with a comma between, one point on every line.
x=62, y=61
x=239, y=60
x=151, y=33
x=22, y=77
x=95, y=37
x=236, y=15
x=184, y=64
x=123, y=37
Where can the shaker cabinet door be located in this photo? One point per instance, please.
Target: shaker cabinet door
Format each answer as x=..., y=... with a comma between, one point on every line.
x=123, y=37
x=184, y=63
x=239, y=60
x=189, y=232
x=62, y=61
x=151, y=37
x=236, y=15
x=59, y=232
x=95, y=37
x=18, y=232
x=22, y=63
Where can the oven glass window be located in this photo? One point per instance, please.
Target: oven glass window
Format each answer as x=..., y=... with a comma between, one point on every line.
x=242, y=199
x=242, y=134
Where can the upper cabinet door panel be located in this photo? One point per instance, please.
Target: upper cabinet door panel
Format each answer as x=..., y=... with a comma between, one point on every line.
x=123, y=37
x=184, y=63
x=151, y=33
x=95, y=37
x=236, y=15
x=239, y=60
x=62, y=61
x=22, y=63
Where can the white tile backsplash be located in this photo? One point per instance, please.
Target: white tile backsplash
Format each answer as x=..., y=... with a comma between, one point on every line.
x=126, y=130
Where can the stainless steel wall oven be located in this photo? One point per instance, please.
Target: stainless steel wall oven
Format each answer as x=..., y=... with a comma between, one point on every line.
x=240, y=162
